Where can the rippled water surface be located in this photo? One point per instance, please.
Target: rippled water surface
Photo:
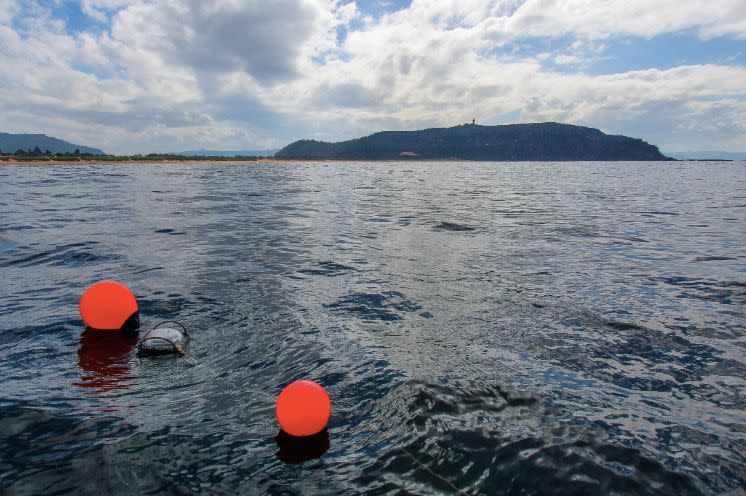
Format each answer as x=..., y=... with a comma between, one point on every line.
x=483, y=328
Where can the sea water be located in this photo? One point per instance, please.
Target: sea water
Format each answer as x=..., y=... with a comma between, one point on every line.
x=483, y=328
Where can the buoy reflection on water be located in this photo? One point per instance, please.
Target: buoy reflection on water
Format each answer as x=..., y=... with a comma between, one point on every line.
x=104, y=358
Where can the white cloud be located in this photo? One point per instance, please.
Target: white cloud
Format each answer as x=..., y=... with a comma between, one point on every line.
x=101, y=10
x=601, y=19
x=185, y=73
x=8, y=10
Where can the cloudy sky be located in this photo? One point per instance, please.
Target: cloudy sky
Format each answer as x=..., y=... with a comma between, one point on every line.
x=149, y=75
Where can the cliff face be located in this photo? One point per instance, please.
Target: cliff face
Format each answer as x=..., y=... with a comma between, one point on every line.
x=545, y=141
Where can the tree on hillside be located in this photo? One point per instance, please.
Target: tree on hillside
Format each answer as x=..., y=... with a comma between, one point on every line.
x=20, y=151
x=47, y=152
x=77, y=151
x=37, y=150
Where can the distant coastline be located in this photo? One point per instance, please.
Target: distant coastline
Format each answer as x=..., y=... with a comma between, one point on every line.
x=5, y=161
x=11, y=161
x=260, y=160
x=535, y=142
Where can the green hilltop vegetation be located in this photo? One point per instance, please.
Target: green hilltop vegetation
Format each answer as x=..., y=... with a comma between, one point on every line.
x=12, y=143
x=40, y=147
x=548, y=141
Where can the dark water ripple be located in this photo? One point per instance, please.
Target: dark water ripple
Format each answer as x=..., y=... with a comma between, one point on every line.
x=573, y=328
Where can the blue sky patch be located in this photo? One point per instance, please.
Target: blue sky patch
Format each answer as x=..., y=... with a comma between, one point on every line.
x=667, y=51
x=378, y=8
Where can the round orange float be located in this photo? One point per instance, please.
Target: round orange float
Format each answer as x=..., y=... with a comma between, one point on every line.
x=303, y=409
x=109, y=305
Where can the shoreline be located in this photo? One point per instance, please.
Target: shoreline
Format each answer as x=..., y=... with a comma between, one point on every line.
x=12, y=162
x=263, y=160
x=267, y=160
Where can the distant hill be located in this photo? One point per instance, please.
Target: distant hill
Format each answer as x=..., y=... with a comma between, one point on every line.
x=513, y=142
x=226, y=153
x=10, y=143
x=704, y=155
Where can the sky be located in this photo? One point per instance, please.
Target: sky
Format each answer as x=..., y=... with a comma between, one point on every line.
x=147, y=76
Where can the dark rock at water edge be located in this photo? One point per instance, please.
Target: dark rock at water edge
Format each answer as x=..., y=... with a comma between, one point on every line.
x=549, y=141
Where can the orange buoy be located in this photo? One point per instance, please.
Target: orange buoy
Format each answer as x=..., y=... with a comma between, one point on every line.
x=109, y=305
x=303, y=409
